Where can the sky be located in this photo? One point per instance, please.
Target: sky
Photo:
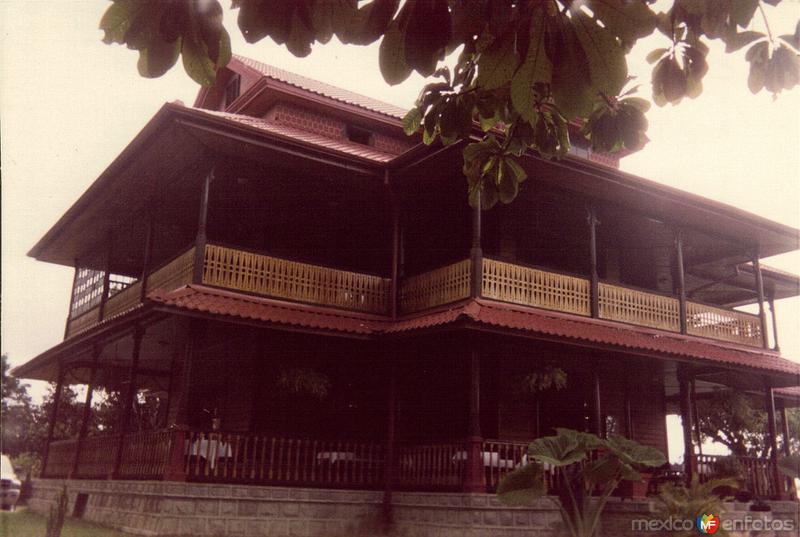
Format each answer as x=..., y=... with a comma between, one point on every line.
x=69, y=104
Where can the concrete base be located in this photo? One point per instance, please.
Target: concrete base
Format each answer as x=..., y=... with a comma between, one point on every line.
x=201, y=510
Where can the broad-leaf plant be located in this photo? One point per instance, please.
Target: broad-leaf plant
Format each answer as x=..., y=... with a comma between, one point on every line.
x=586, y=471
x=524, y=69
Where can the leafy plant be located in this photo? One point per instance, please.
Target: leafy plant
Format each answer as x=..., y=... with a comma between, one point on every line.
x=303, y=381
x=588, y=469
x=687, y=503
x=540, y=380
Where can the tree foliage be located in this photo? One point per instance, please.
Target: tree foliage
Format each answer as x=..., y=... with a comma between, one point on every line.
x=525, y=69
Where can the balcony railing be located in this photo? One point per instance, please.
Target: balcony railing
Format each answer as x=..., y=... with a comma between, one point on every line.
x=261, y=274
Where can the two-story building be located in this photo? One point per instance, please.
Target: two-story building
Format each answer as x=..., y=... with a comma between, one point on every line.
x=304, y=301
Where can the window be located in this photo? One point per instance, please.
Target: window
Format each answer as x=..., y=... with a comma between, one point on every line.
x=232, y=89
x=359, y=135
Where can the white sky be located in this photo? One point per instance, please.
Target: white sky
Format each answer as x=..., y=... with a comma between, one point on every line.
x=69, y=104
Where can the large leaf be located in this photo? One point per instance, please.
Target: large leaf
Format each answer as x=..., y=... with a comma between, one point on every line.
x=427, y=34
x=496, y=64
x=627, y=20
x=196, y=60
x=572, y=75
x=117, y=19
x=522, y=486
x=535, y=68
x=391, y=55
x=605, y=56
x=158, y=58
x=634, y=453
x=566, y=447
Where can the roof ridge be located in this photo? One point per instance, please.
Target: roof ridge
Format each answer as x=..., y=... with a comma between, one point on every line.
x=322, y=88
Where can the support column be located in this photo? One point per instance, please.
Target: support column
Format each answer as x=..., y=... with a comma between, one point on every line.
x=148, y=252
x=474, y=476
x=772, y=429
x=629, y=432
x=101, y=312
x=202, y=221
x=51, y=426
x=394, y=268
x=87, y=411
x=186, y=340
x=476, y=253
x=128, y=397
x=696, y=420
x=597, y=410
x=681, y=280
x=689, y=460
x=391, y=421
x=594, y=279
x=775, y=346
x=762, y=314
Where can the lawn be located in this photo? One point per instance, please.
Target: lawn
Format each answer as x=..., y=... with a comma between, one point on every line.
x=24, y=523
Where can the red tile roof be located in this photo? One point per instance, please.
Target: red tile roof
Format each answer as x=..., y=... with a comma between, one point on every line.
x=321, y=88
x=486, y=312
x=291, y=133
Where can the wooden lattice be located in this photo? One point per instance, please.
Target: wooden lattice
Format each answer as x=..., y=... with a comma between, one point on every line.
x=271, y=276
x=441, y=286
x=534, y=287
x=86, y=291
x=639, y=307
x=174, y=274
x=727, y=325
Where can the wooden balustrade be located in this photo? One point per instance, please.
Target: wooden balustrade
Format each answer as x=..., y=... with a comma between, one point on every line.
x=174, y=274
x=639, y=307
x=97, y=457
x=83, y=322
x=727, y=325
x=431, y=466
x=234, y=457
x=123, y=301
x=757, y=473
x=500, y=458
x=430, y=289
x=60, y=458
x=533, y=287
x=280, y=278
x=145, y=455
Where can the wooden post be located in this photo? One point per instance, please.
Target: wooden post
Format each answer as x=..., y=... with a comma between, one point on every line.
x=689, y=461
x=128, y=397
x=391, y=421
x=594, y=279
x=762, y=314
x=772, y=429
x=629, y=432
x=202, y=222
x=87, y=411
x=476, y=253
x=175, y=468
x=775, y=346
x=681, y=280
x=474, y=472
x=148, y=252
x=394, y=268
x=101, y=312
x=597, y=409
x=696, y=419
x=51, y=427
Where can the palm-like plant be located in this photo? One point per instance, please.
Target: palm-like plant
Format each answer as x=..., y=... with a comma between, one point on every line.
x=587, y=471
x=688, y=503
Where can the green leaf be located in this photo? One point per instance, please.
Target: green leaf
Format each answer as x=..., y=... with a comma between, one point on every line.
x=300, y=36
x=117, y=20
x=605, y=56
x=391, y=56
x=572, y=76
x=656, y=55
x=522, y=486
x=627, y=20
x=738, y=40
x=742, y=11
x=634, y=453
x=196, y=61
x=412, y=121
x=793, y=39
x=566, y=447
x=517, y=170
x=158, y=58
x=535, y=68
x=427, y=34
x=496, y=65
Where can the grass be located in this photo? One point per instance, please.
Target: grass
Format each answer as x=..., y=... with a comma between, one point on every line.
x=24, y=523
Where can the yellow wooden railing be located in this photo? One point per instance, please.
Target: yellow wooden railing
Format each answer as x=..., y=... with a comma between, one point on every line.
x=441, y=286
x=727, y=325
x=271, y=276
x=174, y=274
x=638, y=307
x=533, y=287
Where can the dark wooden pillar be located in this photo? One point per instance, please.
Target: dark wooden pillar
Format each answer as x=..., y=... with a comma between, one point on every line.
x=202, y=222
x=128, y=395
x=696, y=419
x=106, y=282
x=689, y=461
x=51, y=426
x=594, y=279
x=785, y=431
x=597, y=409
x=629, y=432
x=148, y=250
x=87, y=411
x=391, y=422
x=187, y=338
x=680, y=272
x=473, y=475
x=762, y=314
x=772, y=429
x=476, y=253
x=394, y=211
x=775, y=345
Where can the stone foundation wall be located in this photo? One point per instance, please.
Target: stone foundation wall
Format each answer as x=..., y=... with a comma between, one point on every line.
x=200, y=510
